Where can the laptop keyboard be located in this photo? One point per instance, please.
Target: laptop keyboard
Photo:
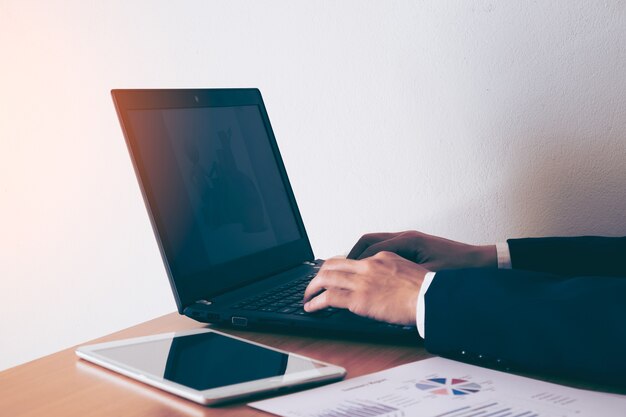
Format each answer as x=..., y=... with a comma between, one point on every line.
x=285, y=299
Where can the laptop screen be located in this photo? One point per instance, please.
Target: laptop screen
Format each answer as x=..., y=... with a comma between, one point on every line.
x=215, y=190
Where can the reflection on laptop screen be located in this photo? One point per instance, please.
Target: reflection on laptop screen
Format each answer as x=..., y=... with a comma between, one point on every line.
x=215, y=183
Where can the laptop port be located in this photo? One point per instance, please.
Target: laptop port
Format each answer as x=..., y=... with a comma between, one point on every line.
x=239, y=321
x=212, y=317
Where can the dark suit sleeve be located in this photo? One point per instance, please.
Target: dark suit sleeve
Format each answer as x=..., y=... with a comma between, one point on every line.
x=530, y=321
x=571, y=256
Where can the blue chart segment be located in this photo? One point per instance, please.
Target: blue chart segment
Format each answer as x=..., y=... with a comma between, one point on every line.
x=361, y=408
x=448, y=386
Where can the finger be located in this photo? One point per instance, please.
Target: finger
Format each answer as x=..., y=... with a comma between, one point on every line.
x=326, y=280
x=345, y=265
x=366, y=241
x=396, y=245
x=331, y=298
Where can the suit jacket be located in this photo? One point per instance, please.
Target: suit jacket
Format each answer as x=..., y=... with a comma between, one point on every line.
x=561, y=310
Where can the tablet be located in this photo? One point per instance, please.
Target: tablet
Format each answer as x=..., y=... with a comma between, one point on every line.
x=207, y=366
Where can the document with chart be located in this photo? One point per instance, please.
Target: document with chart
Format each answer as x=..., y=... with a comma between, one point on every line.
x=440, y=387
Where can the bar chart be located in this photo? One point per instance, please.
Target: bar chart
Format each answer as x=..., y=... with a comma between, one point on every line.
x=367, y=408
x=361, y=408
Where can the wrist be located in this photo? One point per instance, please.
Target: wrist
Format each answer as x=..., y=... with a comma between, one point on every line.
x=411, y=318
x=484, y=256
x=415, y=295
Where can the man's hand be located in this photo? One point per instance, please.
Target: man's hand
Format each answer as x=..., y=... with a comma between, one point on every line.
x=384, y=287
x=432, y=252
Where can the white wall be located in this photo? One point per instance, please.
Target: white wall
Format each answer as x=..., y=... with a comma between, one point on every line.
x=476, y=120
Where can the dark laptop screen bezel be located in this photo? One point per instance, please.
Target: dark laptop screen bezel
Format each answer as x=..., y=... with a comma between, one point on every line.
x=190, y=288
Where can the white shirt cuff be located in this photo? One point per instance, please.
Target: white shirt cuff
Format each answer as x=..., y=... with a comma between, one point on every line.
x=421, y=308
x=504, y=255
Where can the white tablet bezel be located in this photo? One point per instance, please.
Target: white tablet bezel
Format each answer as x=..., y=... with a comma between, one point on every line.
x=212, y=396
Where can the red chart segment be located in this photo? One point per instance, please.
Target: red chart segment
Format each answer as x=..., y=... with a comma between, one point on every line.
x=448, y=386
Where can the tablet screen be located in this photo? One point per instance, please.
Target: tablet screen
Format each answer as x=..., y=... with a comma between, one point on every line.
x=206, y=360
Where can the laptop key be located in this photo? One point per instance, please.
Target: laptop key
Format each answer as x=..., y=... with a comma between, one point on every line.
x=285, y=299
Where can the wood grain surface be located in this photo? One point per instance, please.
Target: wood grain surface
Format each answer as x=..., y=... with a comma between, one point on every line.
x=63, y=385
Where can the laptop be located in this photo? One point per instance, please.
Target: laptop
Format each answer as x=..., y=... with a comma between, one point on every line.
x=223, y=212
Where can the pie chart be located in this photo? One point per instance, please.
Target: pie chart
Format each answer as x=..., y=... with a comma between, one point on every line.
x=448, y=386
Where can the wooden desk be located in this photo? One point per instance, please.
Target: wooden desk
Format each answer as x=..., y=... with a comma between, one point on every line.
x=62, y=385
